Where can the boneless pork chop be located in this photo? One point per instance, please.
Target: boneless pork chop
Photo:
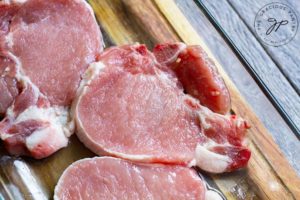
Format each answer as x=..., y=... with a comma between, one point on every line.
x=45, y=46
x=112, y=178
x=133, y=107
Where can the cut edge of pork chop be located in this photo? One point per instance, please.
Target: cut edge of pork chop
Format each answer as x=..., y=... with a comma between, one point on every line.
x=209, y=194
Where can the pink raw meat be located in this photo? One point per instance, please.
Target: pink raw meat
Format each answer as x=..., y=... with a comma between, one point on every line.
x=111, y=178
x=8, y=84
x=32, y=127
x=45, y=46
x=54, y=40
x=197, y=73
x=128, y=107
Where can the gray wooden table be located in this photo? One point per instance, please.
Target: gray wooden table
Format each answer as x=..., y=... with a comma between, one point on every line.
x=278, y=68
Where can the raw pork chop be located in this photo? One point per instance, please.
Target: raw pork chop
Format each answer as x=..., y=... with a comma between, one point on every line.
x=45, y=46
x=128, y=107
x=112, y=178
x=197, y=73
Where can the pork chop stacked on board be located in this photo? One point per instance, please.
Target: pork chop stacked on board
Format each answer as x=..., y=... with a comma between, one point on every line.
x=45, y=47
x=164, y=111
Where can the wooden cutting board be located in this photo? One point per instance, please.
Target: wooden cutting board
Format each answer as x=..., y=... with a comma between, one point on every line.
x=268, y=175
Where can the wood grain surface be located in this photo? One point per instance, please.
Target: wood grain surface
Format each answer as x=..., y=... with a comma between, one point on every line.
x=268, y=176
x=258, y=54
x=286, y=56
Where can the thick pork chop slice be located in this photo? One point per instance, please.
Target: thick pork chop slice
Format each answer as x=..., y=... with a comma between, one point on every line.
x=128, y=107
x=45, y=46
x=197, y=73
x=112, y=178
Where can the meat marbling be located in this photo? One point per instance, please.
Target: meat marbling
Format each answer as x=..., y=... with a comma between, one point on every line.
x=45, y=46
x=112, y=178
x=133, y=107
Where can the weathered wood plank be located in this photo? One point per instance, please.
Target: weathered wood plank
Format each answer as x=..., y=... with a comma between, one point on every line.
x=286, y=56
x=256, y=173
x=262, y=63
x=285, y=138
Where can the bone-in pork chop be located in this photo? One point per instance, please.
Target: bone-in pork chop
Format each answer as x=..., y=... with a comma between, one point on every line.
x=130, y=106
